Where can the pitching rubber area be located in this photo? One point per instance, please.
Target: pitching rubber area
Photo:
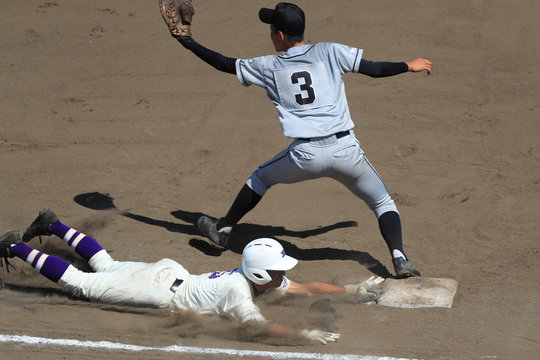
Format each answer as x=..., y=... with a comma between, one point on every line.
x=112, y=346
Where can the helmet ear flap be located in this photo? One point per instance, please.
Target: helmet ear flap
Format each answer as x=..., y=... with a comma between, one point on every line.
x=259, y=276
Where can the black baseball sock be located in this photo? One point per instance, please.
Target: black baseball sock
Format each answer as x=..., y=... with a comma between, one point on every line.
x=245, y=201
x=390, y=226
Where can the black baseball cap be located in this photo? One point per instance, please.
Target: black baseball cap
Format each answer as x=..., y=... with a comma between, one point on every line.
x=286, y=17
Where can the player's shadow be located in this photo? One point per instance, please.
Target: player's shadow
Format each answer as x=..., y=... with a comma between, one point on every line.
x=50, y=293
x=243, y=233
x=62, y=296
x=45, y=291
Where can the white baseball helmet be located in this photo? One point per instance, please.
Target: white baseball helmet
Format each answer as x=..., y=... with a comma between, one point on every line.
x=264, y=254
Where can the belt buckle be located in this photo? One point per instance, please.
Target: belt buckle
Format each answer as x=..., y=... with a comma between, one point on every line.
x=175, y=285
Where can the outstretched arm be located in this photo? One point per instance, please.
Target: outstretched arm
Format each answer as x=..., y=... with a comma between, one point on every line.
x=278, y=330
x=314, y=288
x=364, y=292
x=379, y=69
x=218, y=61
x=314, y=335
x=255, y=323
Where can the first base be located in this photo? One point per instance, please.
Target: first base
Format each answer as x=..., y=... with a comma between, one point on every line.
x=417, y=292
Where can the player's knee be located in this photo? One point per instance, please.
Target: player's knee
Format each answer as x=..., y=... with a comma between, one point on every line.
x=256, y=184
x=71, y=279
x=384, y=205
x=101, y=261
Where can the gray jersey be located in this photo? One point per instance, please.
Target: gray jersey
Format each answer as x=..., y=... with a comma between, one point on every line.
x=306, y=87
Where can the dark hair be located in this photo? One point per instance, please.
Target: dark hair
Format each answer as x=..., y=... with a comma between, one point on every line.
x=295, y=39
x=290, y=39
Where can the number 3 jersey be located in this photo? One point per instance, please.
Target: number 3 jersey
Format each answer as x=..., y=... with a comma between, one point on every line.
x=223, y=293
x=305, y=86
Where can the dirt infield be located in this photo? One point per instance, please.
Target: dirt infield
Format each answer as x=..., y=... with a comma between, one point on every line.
x=96, y=97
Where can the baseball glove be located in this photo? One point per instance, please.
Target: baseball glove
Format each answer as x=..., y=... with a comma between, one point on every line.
x=177, y=15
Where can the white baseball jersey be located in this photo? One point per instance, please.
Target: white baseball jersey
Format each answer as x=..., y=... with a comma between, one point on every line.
x=223, y=293
x=306, y=87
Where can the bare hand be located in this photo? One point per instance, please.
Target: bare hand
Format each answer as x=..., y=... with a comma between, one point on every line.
x=419, y=65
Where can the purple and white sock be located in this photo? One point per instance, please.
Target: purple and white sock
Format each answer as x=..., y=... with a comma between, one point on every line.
x=82, y=244
x=49, y=266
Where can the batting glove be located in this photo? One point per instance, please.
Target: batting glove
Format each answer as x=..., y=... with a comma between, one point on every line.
x=318, y=335
x=366, y=291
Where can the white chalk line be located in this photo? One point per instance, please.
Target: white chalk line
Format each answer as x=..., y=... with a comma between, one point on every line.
x=40, y=341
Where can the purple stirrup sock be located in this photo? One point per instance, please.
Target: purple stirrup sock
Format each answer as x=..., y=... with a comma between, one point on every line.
x=82, y=244
x=49, y=266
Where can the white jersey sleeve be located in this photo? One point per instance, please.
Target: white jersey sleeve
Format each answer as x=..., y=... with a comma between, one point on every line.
x=223, y=293
x=282, y=288
x=305, y=86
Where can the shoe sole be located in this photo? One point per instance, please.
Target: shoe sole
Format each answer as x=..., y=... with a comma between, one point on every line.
x=403, y=274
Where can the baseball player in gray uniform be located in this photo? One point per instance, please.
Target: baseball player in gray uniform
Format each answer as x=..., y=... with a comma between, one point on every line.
x=166, y=283
x=305, y=84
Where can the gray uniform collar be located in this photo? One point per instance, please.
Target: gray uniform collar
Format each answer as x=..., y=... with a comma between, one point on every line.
x=296, y=51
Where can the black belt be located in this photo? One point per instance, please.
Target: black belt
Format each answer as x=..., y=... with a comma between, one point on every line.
x=176, y=284
x=339, y=135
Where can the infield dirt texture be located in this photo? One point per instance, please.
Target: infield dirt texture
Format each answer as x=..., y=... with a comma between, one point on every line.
x=95, y=96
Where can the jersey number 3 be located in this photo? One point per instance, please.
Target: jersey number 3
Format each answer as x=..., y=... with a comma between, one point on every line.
x=305, y=87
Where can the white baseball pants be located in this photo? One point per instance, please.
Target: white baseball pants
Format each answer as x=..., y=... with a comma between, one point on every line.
x=126, y=282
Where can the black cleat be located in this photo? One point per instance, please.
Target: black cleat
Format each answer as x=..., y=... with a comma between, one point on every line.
x=40, y=225
x=208, y=227
x=10, y=238
x=404, y=268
